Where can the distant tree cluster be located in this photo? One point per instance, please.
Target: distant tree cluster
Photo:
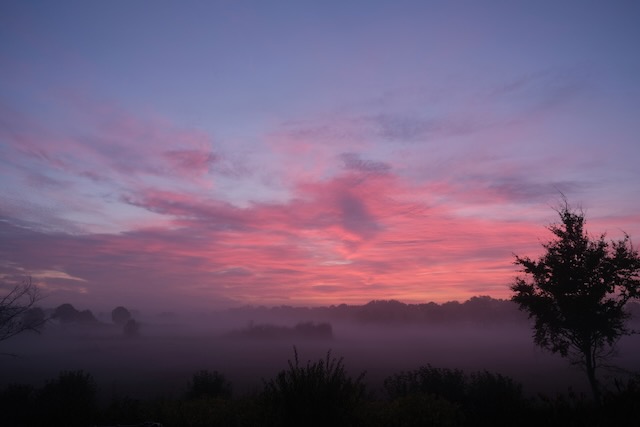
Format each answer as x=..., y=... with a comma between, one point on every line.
x=67, y=313
x=483, y=309
x=122, y=317
x=477, y=309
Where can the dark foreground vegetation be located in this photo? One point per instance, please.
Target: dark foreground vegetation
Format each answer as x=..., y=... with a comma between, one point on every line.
x=321, y=393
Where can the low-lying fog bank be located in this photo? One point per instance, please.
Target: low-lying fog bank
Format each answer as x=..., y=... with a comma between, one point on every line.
x=165, y=355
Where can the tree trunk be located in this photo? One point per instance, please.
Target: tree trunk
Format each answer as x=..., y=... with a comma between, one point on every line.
x=591, y=374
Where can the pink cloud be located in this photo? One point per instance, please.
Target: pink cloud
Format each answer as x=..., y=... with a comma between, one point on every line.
x=108, y=142
x=354, y=237
x=352, y=227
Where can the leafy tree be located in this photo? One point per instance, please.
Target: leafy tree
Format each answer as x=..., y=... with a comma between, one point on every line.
x=120, y=315
x=15, y=308
x=67, y=313
x=576, y=292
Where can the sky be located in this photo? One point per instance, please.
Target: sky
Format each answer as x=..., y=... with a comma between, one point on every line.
x=205, y=154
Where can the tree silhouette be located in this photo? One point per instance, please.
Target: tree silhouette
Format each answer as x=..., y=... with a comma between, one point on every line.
x=576, y=293
x=120, y=315
x=67, y=313
x=15, y=315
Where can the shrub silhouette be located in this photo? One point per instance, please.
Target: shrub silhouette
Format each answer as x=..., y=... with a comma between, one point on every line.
x=449, y=384
x=16, y=404
x=483, y=396
x=69, y=400
x=318, y=394
x=414, y=410
x=208, y=384
x=493, y=397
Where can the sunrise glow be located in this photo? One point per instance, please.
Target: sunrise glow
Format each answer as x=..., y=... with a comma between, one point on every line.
x=214, y=154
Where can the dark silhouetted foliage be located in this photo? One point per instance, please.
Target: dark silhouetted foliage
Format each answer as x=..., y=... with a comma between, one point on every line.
x=16, y=307
x=482, y=396
x=322, y=394
x=67, y=313
x=447, y=383
x=413, y=410
x=69, y=400
x=478, y=309
x=17, y=403
x=577, y=291
x=318, y=394
x=208, y=384
x=120, y=315
x=34, y=318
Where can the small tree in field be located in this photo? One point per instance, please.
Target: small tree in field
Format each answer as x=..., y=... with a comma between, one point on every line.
x=576, y=292
x=120, y=315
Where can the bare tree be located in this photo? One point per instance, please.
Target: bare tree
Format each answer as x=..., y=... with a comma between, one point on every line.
x=15, y=308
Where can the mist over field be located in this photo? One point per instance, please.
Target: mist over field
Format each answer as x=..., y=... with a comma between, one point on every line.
x=252, y=344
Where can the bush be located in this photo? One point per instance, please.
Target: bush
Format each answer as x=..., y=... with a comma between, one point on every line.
x=419, y=410
x=69, y=400
x=493, y=397
x=482, y=396
x=449, y=384
x=16, y=404
x=318, y=394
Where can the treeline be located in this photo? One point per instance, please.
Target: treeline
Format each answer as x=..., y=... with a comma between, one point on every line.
x=479, y=309
x=302, y=330
x=66, y=315
x=320, y=393
x=476, y=309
